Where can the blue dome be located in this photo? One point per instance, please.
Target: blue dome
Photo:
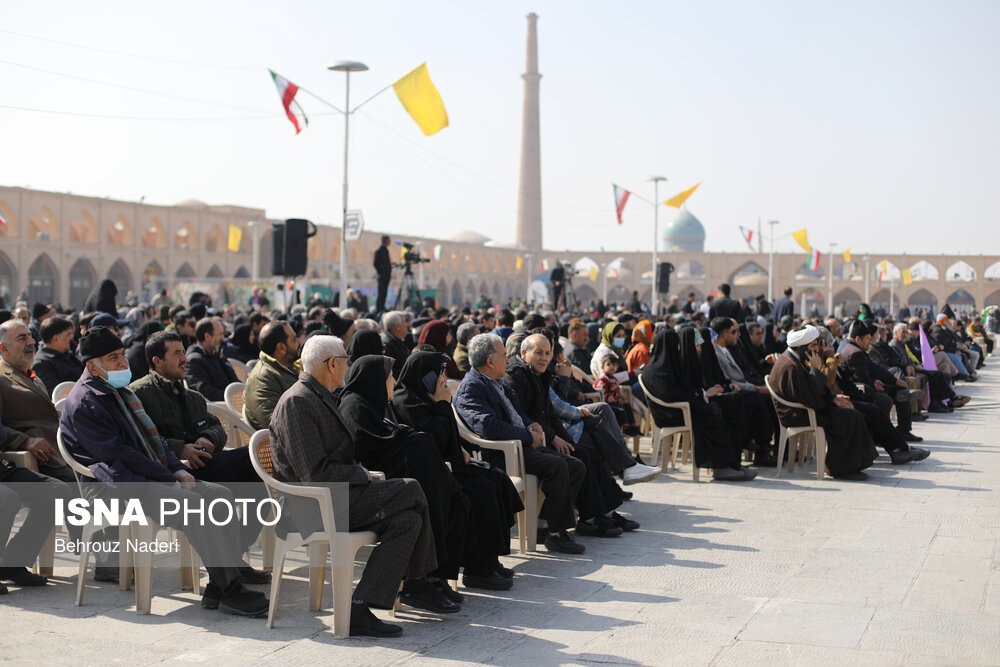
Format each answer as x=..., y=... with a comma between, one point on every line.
x=684, y=233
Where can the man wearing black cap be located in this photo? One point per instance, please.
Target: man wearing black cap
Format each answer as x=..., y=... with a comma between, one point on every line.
x=105, y=427
x=54, y=362
x=383, y=268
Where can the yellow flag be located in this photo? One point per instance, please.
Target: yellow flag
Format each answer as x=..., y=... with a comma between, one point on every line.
x=802, y=238
x=422, y=101
x=235, y=238
x=520, y=263
x=847, y=256
x=885, y=268
x=680, y=198
x=593, y=273
x=907, y=277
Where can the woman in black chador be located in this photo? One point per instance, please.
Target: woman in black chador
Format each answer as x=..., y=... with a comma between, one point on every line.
x=422, y=400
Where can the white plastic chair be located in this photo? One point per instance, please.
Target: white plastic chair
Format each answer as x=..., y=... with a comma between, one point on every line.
x=675, y=433
x=250, y=365
x=452, y=386
x=800, y=436
x=527, y=485
x=62, y=390
x=43, y=564
x=233, y=396
x=240, y=369
x=341, y=545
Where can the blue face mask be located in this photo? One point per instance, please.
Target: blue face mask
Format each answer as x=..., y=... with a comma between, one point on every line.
x=118, y=379
x=618, y=342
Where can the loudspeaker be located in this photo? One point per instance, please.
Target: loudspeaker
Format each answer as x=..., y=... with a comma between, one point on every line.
x=663, y=277
x=295, y=246
x=278, y=249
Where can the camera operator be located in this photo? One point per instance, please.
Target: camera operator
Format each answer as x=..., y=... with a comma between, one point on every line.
x=558, y=279
x=383, y=267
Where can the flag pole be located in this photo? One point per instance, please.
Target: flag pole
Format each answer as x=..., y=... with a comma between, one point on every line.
x=770, y=264
x=829, y=304
x=654, y=298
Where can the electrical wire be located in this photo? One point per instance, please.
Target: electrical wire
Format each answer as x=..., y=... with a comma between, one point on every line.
x=57, y=112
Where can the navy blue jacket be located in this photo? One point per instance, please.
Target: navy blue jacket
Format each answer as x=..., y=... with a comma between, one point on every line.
x=98, y=436
x=483, y=411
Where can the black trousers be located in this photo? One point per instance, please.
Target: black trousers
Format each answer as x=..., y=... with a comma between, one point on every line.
x=904, y=415
x=599, y=493
x=881, y=429
x=561, y=477
x=494, y=506
x=383, y=291
x=940, y=386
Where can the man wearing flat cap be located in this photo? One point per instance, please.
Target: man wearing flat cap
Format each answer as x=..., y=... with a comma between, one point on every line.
x=106, y=429
x=797, y=378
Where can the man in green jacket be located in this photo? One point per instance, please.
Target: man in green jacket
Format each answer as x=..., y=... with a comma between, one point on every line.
x=273, y=374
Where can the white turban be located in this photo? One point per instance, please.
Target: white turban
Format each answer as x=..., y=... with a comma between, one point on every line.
x=803, y=336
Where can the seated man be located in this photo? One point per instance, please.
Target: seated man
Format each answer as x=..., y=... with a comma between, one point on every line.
x=943, y=335
x=193, y=434
x=106, y=429
x=310, y=444
x=490, y=408
x=938, y=383
x=576, y=350
x=26, y=408
x=461, y=356
x=208, y=372
x=273, y=374
x=393, y=335
x=55, y=363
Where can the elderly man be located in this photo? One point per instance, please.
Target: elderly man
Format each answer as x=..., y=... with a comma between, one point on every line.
x=797, y=378
x=491, y=409
x=393, y=333
x=576, y=350
x=311, y=445
x=106, y=428
x=465, y=333
x=26, y=408
x=940, y=388
x=273, y=374
x=208, y=372
x=54, y=363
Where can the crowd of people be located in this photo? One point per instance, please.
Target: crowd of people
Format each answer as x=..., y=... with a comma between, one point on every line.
x=344, y=393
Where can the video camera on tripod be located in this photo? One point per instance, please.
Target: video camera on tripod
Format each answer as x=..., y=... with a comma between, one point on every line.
x=410, y=256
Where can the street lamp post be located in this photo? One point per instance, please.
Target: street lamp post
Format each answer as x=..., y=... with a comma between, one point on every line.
x=867, y=259
x=254, y=225
x=770, y=264
x=345, y=66
x=829, y=303
x=654, y=301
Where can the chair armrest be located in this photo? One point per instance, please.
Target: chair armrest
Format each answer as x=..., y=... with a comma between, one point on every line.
x=21, y=459
x=376, y=475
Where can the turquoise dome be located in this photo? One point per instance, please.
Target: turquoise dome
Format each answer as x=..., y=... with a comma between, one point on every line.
x=684, y=233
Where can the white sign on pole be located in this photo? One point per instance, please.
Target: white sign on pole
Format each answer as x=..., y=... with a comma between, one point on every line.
x=354, y=224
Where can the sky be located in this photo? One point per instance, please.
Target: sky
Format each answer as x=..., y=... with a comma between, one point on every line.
x=870, y=123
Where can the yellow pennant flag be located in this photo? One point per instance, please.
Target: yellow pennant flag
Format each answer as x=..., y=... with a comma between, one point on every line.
x=593, y=273
x=885, y=268
x=235, y=238
x=847, y=256
x=422, y=101
x=519, y=264
x=680, y=198
x=802, y=238
x=907, y=277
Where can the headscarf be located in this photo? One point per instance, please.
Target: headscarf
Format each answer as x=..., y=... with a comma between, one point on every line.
x=102, y=298
x=638, y=354
x=607, y=336
x=643, y=332
x=435, y=334
x=413, y=403
x=364, y=342
x=770, y=343
x=364, y=405
x=593, y=336
x=689, y=364
x=711, y=371
x=662, y=376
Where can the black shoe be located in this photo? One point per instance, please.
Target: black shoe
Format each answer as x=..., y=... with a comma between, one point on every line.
x=564, y=543
x=900, y=457
x=852, y=476
x=765, y=461
x=918, y=417
x=748, y=474
x=600, y=527
x=505, y=572
x=3, y=589
x=424, y=596
x=542, y=534
x=448, y=591
x=106, y=573
x=728, y=475
x=626, y=495
x=491, y=582
x=938, y=408
x=921, y=453
x=366, y=624
x=910, y=437
x=239, y=600
x=211, y=597
x=20, y=576
x=624, y=523
x=248, y=575
x=631, y=430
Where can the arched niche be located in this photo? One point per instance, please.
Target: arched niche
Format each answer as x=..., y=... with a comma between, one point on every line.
x=120, y=232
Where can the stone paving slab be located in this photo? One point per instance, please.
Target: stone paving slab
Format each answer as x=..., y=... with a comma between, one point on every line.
x=903, y=569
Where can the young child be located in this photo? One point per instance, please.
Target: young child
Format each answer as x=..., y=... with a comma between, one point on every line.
x=612, y=395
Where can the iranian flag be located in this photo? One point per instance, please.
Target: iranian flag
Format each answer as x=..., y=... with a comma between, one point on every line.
x=438, y=252
x=621, y=197
x=814, y=259
x=287, y=91
x=546, y=265
x=3, y=219
x=748, y=235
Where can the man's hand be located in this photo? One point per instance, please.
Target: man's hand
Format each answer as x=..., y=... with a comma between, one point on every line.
x=762, y=390
x=564, y=369
x=194, y=456
x=585, y=412
x=844, y=402
x=185, y=480
x=901, y=384
x=537, y=439
x=814, y=360
x=40, y=449
x=442, y=392
x=714, y=391
x=879, y=385
x=770, y=358
x=562, y=446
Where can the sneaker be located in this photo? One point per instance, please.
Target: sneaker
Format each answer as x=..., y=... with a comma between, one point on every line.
x=20, y=576
x=212, y=596
x=564, y=543
x=239, y=600
x=600, y=527
x=960, y=400
x=448, y=591
x=366, y=624
x=640, y=473
x=248, y=575
x=624, y=522
x=491, y=582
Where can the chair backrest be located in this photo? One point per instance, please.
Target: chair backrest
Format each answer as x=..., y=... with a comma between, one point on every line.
x=512, y=451
x=581, y=374
x=238, y=432
x=59, y=405
x=62, y=391
x=240, y=369
x=251, y=364
x=233, y=396
x=453, y=386
x=679, y=405
x=79, y=470
x=779, y=400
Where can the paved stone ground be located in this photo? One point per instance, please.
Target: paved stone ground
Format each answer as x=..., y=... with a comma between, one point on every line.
x=902, y=569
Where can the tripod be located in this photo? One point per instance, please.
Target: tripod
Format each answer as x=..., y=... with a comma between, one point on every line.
x=569, y=294
x=407, y=285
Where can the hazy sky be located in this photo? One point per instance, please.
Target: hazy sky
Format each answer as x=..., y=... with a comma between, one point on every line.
x=873, y=124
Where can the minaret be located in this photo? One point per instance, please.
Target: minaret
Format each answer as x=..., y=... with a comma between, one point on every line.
x=529, y=201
